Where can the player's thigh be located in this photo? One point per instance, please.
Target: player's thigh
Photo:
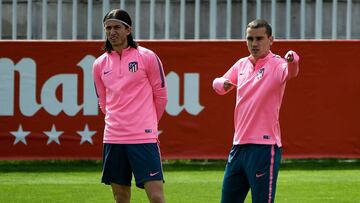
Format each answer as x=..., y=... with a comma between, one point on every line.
x=154, y=189
x=235, y=188
x=263, y=172
x=235, y=184
x=116, y=166
x=145, y=160
x=121, y=193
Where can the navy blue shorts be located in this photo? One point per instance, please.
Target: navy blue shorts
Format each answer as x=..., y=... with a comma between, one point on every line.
x=251, y=166
x=120, y=161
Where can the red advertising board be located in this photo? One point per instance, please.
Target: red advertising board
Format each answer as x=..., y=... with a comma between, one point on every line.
x=48, y=106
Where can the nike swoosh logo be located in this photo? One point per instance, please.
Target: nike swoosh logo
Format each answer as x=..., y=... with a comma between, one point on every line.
x=106, y=72
x=154, y=174
x=258, y=175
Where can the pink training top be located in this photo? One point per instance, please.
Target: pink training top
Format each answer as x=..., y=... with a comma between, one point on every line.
x=259, y=95
x=132, y=94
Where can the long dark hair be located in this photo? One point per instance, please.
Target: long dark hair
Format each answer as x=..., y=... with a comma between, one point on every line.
x=123, y=16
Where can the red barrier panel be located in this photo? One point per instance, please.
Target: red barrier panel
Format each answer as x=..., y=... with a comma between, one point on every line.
x=48, y=107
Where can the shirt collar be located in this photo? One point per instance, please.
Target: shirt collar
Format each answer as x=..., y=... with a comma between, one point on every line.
x=124, y=52
x=260, y=62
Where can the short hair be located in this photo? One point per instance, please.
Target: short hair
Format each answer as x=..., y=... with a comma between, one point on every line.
x=259, y=23
x=121, y=15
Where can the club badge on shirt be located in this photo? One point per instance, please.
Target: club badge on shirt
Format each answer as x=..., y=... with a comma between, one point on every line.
x=133, y=66
x=260, y=73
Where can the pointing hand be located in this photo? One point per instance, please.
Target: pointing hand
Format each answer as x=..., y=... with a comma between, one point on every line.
x=289, y=57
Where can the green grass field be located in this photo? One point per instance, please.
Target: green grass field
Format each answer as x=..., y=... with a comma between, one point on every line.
x=302, y=181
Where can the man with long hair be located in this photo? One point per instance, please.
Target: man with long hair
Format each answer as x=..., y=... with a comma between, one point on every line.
x=131, y=89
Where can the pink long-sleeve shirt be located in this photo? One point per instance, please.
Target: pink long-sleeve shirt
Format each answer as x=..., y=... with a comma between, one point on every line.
x=260, y=90
x=132, y=94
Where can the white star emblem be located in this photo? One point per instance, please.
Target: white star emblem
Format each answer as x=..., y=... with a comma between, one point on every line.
x=53, y=135
x=20, y=135
x=86, y=135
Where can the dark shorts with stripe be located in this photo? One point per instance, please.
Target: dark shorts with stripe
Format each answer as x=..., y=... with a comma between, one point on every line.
x=251, y=166
x=120, y=161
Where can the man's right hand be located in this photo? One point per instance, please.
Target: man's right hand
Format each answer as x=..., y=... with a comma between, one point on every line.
x=229, y=85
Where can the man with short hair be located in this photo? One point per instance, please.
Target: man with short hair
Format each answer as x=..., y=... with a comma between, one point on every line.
x=259, y=81
x=131, y=89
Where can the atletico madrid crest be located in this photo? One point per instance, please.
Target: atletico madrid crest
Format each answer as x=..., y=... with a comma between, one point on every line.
x=260, y=73
x=133, y=66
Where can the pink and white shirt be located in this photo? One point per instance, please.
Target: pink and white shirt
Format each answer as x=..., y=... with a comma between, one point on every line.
x=260, y=90
x=132, y=94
